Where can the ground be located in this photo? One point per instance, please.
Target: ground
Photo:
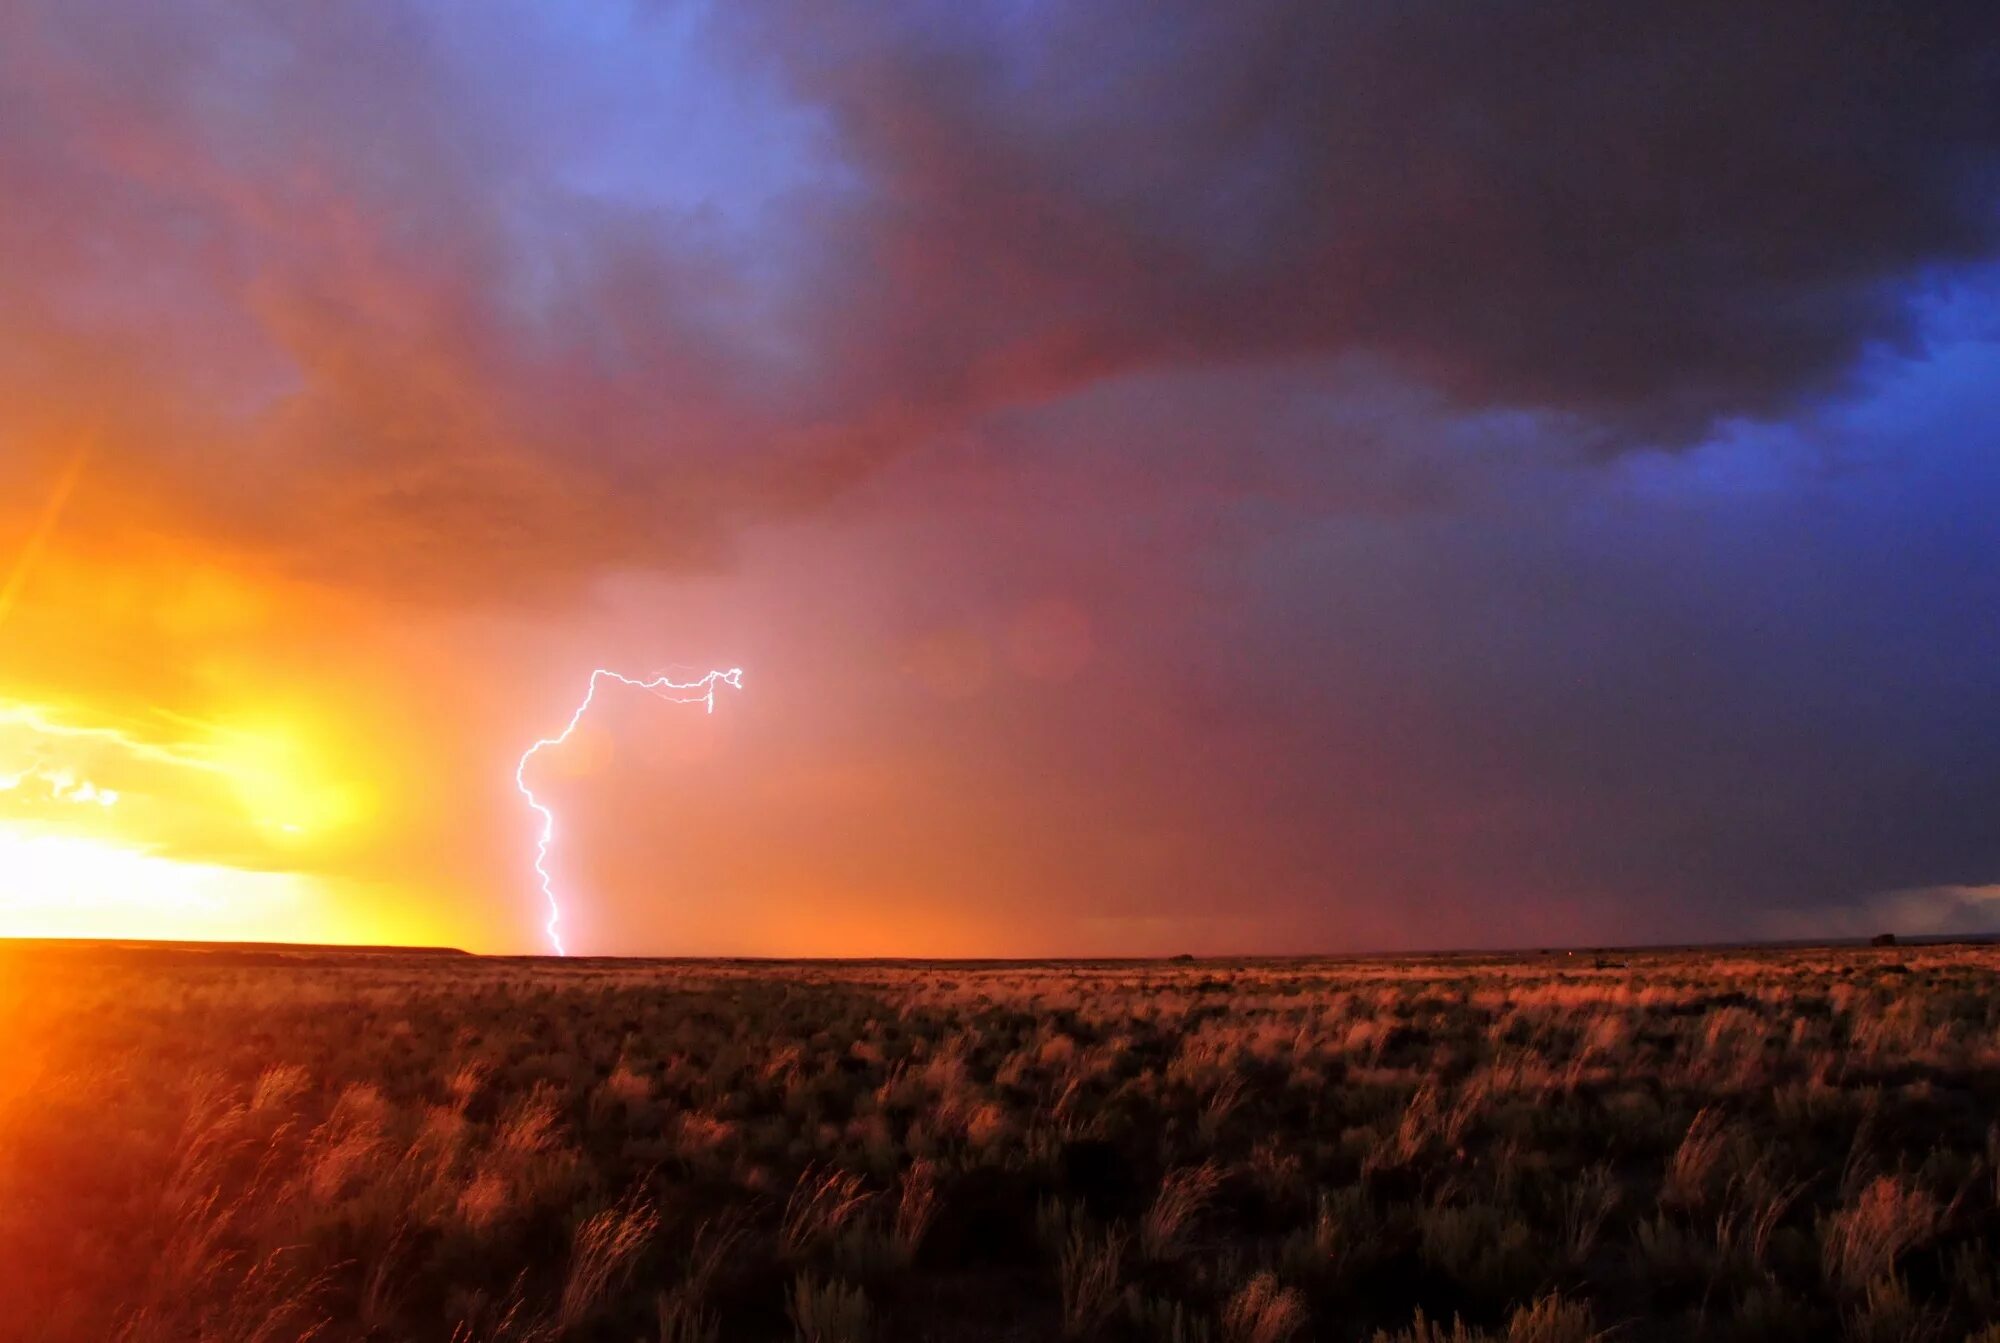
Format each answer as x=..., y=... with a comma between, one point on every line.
x=250, y=1144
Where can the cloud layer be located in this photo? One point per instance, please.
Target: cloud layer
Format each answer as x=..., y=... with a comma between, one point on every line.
x=1265, y=476
x=414, y=297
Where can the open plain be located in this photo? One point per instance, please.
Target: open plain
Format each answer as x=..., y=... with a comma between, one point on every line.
x=238, y=1145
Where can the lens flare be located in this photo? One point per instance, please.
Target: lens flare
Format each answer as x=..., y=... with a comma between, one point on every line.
x=700, y=691
x=44, y=530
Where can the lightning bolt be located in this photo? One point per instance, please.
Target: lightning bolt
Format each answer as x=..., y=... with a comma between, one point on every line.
x=678, y=692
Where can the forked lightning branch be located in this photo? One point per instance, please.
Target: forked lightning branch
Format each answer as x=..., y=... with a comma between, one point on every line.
x=700, y=691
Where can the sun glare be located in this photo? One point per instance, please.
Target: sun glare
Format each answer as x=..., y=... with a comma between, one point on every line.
x=280, y=777
x=61, y=885
x=153, y=825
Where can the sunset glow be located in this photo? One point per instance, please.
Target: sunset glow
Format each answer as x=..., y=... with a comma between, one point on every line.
x=1254, y=478
x=166, y=827
x=65, y=885
x=958, y=669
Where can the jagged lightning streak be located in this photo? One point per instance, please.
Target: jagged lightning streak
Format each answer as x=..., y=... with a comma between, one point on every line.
x=679, y=692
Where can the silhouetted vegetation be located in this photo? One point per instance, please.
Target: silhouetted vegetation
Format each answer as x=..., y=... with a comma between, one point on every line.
x=1743, y=1145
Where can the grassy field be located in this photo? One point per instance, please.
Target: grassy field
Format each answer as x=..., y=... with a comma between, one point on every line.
x=241, y=1146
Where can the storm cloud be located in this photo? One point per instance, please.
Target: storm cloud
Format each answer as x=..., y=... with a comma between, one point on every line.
x=595, y=291
x=1325, y=474
x=1648, y=215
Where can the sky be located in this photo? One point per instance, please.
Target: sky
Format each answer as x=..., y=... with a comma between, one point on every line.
x=1263, y=478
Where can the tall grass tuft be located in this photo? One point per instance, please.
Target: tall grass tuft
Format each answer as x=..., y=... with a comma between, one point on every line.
x=1863, y=1240
x=1090, y=1270
x=828, y=1311
x=1262, y=1311
x=822, y=1203
x=1182, y=1197
x=602, y=1253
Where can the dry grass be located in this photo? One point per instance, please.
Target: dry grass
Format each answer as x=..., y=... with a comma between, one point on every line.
x=602, y=1255
x=1263, y=1311
x=1164, y=1230
x=1696, y=1166
x=1541, y=1149
x=828, y=1312
x=822, y=1203
x=1090, y=1273
x=1863, y=1240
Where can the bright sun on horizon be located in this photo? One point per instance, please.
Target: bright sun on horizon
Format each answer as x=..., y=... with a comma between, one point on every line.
x=158, y=826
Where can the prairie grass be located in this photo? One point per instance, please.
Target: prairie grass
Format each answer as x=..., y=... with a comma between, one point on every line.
x=1263, y=1311
x=1167, y=1224
x=828, y=1311
x=221, y=1146
x=1089, y=1273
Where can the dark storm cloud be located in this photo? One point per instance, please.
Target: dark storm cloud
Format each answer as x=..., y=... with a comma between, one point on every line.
x=1650, y=215
x=460, y=303
x=1708, y=694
